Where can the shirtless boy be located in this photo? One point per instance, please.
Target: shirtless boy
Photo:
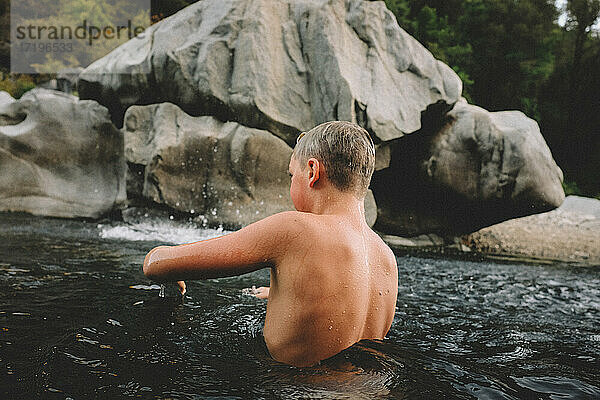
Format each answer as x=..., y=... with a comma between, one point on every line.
x=333, y=282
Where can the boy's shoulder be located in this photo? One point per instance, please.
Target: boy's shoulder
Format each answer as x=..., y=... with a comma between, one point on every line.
x=293, y=220
x=305, y=225
x=294, y=226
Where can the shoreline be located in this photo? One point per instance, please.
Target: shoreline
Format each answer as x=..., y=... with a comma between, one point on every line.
x=569, y=234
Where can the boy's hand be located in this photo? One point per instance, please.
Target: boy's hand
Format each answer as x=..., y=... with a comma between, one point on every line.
x=261, y=292
x=181, y=285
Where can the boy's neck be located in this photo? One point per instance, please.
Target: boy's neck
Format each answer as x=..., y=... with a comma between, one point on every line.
x=331, y=201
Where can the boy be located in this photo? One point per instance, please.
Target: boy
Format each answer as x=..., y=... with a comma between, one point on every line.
x=334, y=281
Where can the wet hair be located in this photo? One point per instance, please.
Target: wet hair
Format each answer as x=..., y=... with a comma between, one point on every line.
x=345, y=149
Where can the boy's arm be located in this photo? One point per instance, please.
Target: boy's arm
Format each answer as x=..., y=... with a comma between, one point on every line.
x=253, y=247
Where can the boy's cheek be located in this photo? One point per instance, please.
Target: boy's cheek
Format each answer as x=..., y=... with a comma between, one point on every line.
x=296, y=199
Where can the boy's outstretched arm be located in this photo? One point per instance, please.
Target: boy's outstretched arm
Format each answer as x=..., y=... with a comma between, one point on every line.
x=253, y=247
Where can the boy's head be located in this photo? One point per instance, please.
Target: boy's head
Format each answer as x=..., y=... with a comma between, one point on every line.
x=346, y=151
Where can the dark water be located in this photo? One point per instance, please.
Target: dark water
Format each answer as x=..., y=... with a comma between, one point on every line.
x=79, y=320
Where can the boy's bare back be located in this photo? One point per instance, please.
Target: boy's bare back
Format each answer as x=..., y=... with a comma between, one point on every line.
x=333, y=280
x=336, y=285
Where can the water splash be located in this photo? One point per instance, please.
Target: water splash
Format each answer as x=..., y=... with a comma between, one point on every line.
x=161, y=292
x=161, y=231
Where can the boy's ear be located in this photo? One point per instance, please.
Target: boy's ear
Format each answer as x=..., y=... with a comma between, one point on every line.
x=313, y=171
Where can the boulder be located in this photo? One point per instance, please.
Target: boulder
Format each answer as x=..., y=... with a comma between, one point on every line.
x=570, y=233
x=5, y=98
x=223, y=172
x=275, y=68
x=282, y=66
x=476, y=169
x=66, y=79
x=59, y=156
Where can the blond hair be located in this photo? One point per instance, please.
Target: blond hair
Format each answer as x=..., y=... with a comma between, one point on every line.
x=345, y=149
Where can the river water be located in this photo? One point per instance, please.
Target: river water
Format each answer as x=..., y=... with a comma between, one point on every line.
x=79, y=320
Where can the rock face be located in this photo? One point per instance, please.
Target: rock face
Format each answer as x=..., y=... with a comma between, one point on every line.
x=282, y=66
x=223, y=172
x=59, y=156
x=571, y=233
x=477, y=169
x=66, y=79
x=275, y=68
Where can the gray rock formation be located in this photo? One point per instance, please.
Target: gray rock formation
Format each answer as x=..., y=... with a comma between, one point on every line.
x=477, y=169
x=223, y=172
x=570, y=233
x=66, y=79
x=282, y=66
x=59, y=156
x=275, y=68
x=586, y=207
x=5, y=98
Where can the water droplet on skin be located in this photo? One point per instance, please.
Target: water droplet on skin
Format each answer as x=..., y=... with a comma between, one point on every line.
x=344, y=312
x=330, y=327
x=380, y=293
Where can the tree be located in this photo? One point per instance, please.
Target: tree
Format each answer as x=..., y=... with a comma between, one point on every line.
x=436, y=34
x=570, y=117
x=512, y=51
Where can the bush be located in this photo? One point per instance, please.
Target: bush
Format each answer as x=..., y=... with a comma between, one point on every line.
x=571, y=188
x=16, y=85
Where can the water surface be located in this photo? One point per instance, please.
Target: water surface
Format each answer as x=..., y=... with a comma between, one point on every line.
x=79, y=320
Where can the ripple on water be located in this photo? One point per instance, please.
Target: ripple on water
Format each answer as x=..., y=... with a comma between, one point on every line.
x=559, y=387
x=96, y=327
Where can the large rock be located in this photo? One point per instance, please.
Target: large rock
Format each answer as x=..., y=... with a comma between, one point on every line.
x=476, y=169
x=59, y=156
x=571, y=233
x=226, y=173
x=283, y=66
x=66, y=79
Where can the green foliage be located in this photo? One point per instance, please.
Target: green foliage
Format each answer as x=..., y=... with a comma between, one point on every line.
x=163, y=8
x=582, y=14
x=571, y=188
x=72, y=14
x=437, y=35
x=512, y=54
x=401, y=10
x=16, y=85
x=570, y=112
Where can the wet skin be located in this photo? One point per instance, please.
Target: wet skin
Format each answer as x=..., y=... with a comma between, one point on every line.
x=334, y=282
